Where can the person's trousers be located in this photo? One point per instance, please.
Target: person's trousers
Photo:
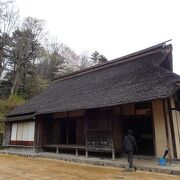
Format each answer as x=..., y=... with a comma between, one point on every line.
x=130, y=159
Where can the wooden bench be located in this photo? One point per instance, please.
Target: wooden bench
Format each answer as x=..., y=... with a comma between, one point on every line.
x=77, y=148
x=65, y=146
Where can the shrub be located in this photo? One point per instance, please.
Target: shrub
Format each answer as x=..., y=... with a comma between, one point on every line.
x=6, y=105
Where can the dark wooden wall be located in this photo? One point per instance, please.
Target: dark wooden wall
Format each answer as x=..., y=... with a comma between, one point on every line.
x=51, y=133
x=117, y=128
x=108, y=133
x=56, y=133
x=80, y=131
x=117, y=132
x=99, y=130
x=43, y=131
x=38, y=139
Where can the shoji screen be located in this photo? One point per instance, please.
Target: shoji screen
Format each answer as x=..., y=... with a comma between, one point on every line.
x=23, y=131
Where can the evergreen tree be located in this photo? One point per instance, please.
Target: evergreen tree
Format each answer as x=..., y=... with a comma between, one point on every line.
x=98, y=58
x=95, y=57
x=102, y=59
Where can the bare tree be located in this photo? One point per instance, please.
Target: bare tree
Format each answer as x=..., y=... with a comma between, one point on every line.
x=52, y=62
x=84, y=61
x=9, y=16
x=25, y=49
x=8, y=20
x=36, y=26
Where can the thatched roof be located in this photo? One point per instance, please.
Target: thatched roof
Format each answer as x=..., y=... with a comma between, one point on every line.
x=134, y=78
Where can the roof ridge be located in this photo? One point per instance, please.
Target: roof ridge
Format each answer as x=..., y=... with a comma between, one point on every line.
x=123, y=59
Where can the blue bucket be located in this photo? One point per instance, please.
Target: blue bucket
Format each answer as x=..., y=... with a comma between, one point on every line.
x=162, y=162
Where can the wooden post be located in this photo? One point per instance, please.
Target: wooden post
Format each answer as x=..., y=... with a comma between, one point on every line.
x=76, y=152
x=86, y=153
x=113, y=154
x=57, y=150
x=86, y=146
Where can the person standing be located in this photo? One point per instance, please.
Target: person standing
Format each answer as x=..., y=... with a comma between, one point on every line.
x=130, y=146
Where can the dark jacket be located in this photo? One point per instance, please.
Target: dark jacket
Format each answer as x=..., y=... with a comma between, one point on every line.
x=129, y=144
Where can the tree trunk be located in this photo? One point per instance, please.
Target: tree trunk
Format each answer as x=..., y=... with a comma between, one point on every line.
x=14, y=84
x=1, y=62
x=1, y=71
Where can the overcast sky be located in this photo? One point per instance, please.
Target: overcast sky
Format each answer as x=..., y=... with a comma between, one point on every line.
x=112, y=27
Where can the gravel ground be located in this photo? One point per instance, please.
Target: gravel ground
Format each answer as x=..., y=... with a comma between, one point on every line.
x=17, y=168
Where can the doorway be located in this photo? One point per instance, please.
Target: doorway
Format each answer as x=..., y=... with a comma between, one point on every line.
x=143, y=132
x=68, y=131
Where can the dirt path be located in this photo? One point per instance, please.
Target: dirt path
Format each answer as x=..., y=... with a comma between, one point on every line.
x=17, y=168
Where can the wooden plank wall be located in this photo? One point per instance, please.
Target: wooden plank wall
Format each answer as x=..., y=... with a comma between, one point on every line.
x=128, y=109
x=169, y=131
x=159, y=127
x=176, y=126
